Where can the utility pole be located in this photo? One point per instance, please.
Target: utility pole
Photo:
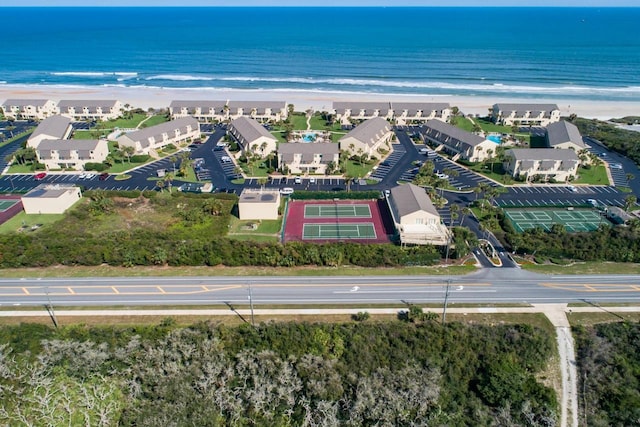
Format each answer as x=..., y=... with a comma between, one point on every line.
x=52, y=312
x=446, y=299
x=253, y=322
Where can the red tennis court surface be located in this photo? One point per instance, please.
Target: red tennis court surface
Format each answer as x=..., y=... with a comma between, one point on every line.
x=10, y=207
x=332, y=214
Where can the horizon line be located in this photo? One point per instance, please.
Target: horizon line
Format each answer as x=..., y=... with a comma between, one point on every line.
x=334, y=6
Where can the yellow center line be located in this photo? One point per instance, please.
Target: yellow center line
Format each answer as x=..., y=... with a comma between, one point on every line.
x=162, y=291
x=71, y=291
x=591, y=288
x=205, y=288
x=115, y=290
x=26, y=291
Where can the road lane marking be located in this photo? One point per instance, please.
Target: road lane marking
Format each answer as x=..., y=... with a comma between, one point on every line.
x=593, y=287
x=71, y=291
x=25, y=291
x=115, y=290
x=162, y=291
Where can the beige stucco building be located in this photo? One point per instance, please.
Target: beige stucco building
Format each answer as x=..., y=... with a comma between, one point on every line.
x=262, y=111
x=457, y=142
x=28, y=109
x=71, y=153
x=54, y=127
x=420, y=112
x=180, y=131
x=525, y=114
x=564, y=135
x=252, y=137
x=203, y=111
x=347, y=111
x=258, y=204
x=90, y=109
x=415, y=217
x=546, y=163
x=311, y=158
x=367, y=138
x=50, y=199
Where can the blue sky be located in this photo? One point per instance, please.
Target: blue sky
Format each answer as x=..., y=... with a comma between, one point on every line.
x=547, y=3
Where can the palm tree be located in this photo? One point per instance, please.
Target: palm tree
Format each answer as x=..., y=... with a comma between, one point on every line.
x=477, y=190
x=262, y=181
x=160, y=185
x=630, y=176
x=213, y=206
x=128, y=151
x=348, y=180
x=168, y=178
x=629, y=202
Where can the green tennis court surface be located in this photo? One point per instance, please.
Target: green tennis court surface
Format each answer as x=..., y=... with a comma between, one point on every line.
x=338, y=231
x=573, y=221
x=6, y=204
x=337, y=211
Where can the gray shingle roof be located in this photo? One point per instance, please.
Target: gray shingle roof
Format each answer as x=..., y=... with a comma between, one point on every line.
x=355, y=107
x=250, y=129
x=247, y=106
x=167, y=127
x=425, y=107
x=65, y=146
x=204, y=105
x=409, y=198
x=523, y=108
x=563, y=131
x=308, y=151
x=54, y=126
x=25, y=102
x=92, y=105
x=439, y=131
x=368, y=132
x=535, y=154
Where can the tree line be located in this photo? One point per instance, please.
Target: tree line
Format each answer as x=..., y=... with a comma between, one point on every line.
x=354, y=374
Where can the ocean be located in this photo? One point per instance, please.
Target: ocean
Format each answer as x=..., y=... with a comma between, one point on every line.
x=573, y=53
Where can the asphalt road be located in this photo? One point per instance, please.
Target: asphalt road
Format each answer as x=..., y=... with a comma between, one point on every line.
x=487, y=286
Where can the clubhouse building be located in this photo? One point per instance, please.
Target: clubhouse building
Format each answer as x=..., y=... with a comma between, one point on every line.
x=415, y=217
x=145, y=141
x=457, y=142
x=367, y=138
x=308, y=158
x=525, y=114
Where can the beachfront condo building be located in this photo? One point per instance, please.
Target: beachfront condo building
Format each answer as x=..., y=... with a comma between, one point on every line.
x=28, y=109
x=308, y=158
x=263, y=111
x=402, y=113
x=457, y=142
x=545, y=164
x=90, y=109
x=252, y=137
x=405, y=113
x=346, y=112
x=525, y=114
x=149, y=140
x=203, y=111
x=71, y=153
x=416, y=219
x=564, y=135
x=369, y=138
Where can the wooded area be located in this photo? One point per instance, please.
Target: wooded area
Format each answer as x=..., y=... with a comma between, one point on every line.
x=395, y=373
x=608, y=356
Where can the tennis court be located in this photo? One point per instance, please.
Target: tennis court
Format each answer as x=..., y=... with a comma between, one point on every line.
x=338, y=231
x=337, y=211
x=6, y=204
x=573, y=220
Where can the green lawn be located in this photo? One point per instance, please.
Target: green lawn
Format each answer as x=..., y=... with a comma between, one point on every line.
x=335, y=136
x=16, y=137
x=299, y=121
x=318, y=123
x=279, y=135
x=593, y=176
x=123, y=123
x=125, y=166
x=88, y=134
x=494, y=171
x=16, y=168
x=357, y=170
x=464, y=124
x=489, y=126
x=22, y=219
x=264, y=226
x=155, y=120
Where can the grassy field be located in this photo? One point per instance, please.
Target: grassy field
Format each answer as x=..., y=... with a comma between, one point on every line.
x=89, y=134
x=264, y=226
x=279, y=135
x=155, y=120
x=299, y=121
x=593, y=176
x=590, y=267
x=24, y=220
x=357, y=170
x=494, y=171
x=464, y=124
x=17, y=168
x=125, y=166
x=121, y=123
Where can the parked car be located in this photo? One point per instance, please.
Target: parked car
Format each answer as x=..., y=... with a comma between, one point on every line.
x=39, y=176
x=286, y=191
x=103, y=176
x=298, y=180
x=225, y=159
x=312, y=180
x=83, y=175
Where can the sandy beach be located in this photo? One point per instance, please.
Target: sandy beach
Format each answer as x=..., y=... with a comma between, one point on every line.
x=152, y=97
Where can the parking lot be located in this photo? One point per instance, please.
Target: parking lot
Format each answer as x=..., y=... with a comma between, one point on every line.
x=527, y=196
x=389, y=163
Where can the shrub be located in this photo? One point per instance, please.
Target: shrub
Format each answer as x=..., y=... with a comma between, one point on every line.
x=98, y=167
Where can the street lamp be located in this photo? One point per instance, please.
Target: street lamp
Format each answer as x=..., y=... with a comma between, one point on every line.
x=253, y=322
x=50, y=309
x=446, y=300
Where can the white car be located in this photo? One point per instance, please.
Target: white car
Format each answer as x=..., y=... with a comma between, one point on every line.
x=90, y=176
x=298, y=180
x=225, y=159
x=312, y=180
x=286, y=191
x=82, y=175
x=572, y=189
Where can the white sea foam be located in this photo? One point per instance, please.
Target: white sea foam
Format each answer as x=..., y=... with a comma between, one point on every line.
x=93, y=73
x=179, y=77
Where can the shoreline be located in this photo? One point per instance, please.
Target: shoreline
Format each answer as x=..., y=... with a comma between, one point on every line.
x=157, y=98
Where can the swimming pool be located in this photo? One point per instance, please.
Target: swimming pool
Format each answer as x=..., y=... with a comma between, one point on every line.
x=495, y=138
x=309, y=137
